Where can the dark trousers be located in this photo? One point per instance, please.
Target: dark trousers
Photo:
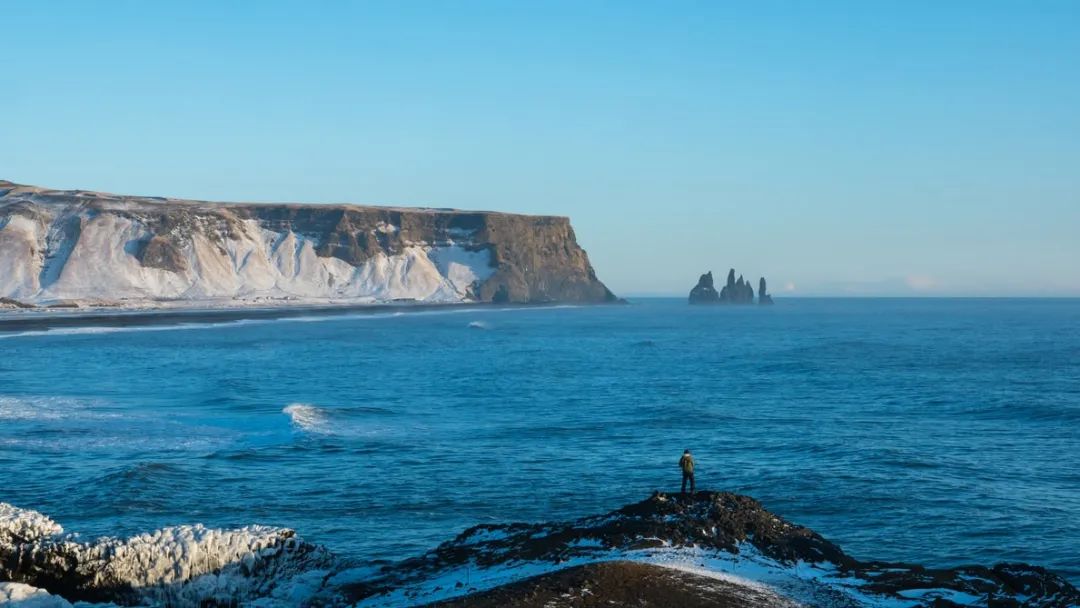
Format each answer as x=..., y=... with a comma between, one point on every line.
x=687, y=476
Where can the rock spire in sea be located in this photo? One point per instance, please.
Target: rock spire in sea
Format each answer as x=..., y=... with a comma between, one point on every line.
x=734, y=291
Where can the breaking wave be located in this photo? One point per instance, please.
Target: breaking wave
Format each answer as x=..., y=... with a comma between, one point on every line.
x=308, y=418
x=350, y=421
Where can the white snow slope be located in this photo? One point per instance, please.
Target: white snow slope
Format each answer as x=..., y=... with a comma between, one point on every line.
x=67, y=250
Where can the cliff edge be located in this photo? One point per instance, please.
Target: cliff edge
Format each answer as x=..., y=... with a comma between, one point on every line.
x=61, y=246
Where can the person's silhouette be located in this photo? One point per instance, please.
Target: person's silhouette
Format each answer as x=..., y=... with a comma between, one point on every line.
x=686, y=463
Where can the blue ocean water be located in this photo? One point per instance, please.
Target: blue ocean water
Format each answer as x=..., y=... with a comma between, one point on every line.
x=936, y=431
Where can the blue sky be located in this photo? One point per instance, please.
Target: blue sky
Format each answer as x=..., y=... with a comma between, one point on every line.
x=838, y=148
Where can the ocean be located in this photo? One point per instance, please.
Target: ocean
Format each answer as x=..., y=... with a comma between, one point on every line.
x=936, y=431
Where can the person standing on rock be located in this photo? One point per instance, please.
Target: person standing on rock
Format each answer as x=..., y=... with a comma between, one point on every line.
x=686, y=463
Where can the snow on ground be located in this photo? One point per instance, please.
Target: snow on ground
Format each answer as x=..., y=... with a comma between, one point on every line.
x=82, y=256
x=23, y=525
x=269, y=567
x=178, y=566
x=461, y=267
x=818, y=585
x=18, y=595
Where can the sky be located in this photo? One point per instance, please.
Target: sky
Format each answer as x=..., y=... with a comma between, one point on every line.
x=837, y=148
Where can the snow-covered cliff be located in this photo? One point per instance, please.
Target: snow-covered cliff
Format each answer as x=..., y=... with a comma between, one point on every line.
x=61, y=246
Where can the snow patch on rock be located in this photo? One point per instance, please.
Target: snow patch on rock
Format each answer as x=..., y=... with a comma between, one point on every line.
x=70, y=253
x=18, y=595
x=23, y=525
x=463, y=269
x=175, y=566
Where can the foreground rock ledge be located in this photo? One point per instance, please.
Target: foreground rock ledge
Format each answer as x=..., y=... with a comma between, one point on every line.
x=709, y=549
x=621, y=583
x=715, y=526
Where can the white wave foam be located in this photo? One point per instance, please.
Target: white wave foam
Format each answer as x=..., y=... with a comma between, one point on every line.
x=479, y=325
x=47, y=408
x=308, y=417
x=90, y=424
x=313, y=318
x=96, y=330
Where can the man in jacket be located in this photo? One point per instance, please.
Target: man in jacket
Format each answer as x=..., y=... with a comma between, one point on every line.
x=686, y=463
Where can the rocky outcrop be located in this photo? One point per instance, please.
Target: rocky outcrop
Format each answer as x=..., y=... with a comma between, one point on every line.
x=178, y=566
x=633, y=552
x=622, y=583
x=74, y=245
x=734, y=291
x=714, y=532
x=704, y=292
x=763, y=296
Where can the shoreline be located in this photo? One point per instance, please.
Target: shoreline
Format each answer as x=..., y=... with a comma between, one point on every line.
x=44, y=320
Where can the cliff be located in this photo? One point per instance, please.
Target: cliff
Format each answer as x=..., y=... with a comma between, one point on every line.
x=74, y=245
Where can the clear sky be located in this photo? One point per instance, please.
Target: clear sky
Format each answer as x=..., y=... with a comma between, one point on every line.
x=877, y=148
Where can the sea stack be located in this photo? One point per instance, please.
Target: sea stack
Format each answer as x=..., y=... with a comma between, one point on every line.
x=704, y=292
x=734, y=291
x=763, y=297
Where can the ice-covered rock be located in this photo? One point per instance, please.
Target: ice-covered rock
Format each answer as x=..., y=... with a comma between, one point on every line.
x=176, y=566
x=24, y=526
x=18, y=595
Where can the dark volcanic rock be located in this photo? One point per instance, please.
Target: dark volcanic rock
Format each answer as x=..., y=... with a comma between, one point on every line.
x=723, y=523
x=734, y=291
x=715, y=531
x=621, y=583
x=13, y=303
x=763, y=297
x=161, y=252
x=704, y=292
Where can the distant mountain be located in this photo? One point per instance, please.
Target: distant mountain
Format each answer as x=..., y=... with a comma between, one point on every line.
x=75, y=246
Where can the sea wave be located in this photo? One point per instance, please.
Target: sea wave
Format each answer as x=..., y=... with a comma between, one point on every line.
x=309, y=418
x=108, y=329
x=62, y=423
x=32, y=408
x=344, y=421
